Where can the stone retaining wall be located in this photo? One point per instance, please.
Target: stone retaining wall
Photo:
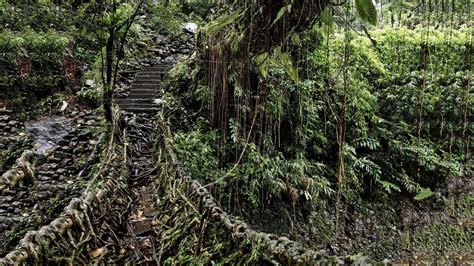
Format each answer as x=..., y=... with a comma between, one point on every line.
x=83, y=221
x=58, y=176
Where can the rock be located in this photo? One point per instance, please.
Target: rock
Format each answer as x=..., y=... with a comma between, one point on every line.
x=61, y=171
x=89, y=82
x=158, y=101
x=83, y=136
x=8, y=221
x=45, y=178
x=142, y=227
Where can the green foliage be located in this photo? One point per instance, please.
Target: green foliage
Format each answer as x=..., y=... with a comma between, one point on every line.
x=168, y=19
x=200, y=8
x=424, y=193
x=38, y=17
x=366, y=11
x=261, y=177
x=382, y=151
x=326, y=17
x=89, y=96
x=44, y=51
x=218, y=24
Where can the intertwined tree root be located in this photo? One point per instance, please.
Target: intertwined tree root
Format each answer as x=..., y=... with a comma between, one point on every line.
x=87, y=222
x=86, y=229
x=21, y=171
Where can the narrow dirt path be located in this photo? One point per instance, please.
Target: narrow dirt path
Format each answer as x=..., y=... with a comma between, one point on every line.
x=139, y=239
x=137, y=244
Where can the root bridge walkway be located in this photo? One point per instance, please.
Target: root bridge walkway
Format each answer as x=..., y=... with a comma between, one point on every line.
x=116, y=217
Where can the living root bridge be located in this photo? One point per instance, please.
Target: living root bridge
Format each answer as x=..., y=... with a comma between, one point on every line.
x=282, y=248
x=84, y=223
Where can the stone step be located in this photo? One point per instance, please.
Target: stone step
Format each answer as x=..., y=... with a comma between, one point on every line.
x=128, y=72
x=147, y=82
x=134, y=101
x=153, y=71
x=142, y=95
x=144, y=90
x=158, y=66
x=141, y=109
x=148, y=76
x=137, y=104
x=143, y=86
x=154, y=81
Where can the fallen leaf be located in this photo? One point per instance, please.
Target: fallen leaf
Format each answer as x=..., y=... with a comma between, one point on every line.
x=96, y=253
x=137, y=216
x=64, y=106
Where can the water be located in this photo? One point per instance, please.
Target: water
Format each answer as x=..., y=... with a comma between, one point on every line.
x=47, y=132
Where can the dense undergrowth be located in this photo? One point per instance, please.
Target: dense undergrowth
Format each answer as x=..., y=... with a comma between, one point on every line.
x=383, y=103
x=347, y=137
x=49, y=48
x=373, y=122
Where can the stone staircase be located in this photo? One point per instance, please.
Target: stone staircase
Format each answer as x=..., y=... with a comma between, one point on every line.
x=145, y=90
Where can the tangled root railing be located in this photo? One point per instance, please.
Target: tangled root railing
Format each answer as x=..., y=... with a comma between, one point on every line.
x=281, y=247
x=21, y=170
x=77, y=214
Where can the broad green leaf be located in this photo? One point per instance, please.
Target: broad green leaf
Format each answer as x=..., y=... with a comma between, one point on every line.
x=281, y=13
x=366, y=11
x=262, y=63
x=217, y=25
x=326, y=17
x=425, y=193
x=388, y=186
x=289, y=68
